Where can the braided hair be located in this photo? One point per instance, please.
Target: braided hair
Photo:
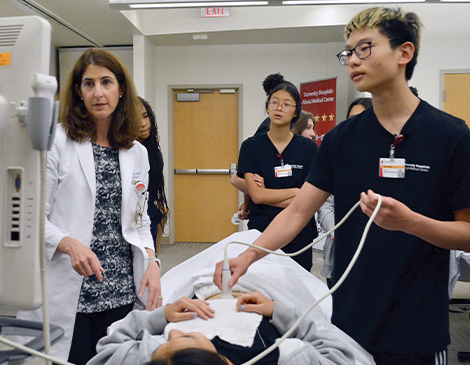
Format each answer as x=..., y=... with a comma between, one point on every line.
x=156, y=179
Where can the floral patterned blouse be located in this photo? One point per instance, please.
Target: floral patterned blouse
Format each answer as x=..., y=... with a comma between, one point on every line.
x=108, y=243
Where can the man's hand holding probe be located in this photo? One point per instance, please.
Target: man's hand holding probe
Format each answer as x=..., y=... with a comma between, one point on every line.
x=238, y=266
x=281, y=231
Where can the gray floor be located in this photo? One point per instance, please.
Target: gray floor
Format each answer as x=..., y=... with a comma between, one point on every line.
x=172, y=255
x=459, y=330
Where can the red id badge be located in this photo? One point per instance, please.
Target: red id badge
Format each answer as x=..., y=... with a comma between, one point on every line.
x=392, y=168
x=283, y=171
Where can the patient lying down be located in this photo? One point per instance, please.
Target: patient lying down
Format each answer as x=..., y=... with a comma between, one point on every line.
x=226, y=330
x=230, y=331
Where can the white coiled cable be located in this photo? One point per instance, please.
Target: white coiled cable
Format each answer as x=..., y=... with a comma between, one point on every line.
x=226, y=270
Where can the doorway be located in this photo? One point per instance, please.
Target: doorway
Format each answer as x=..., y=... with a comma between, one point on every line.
x=457, y=93
x=205, y=141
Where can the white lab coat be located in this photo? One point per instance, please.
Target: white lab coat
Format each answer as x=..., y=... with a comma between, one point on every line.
x=71, y=190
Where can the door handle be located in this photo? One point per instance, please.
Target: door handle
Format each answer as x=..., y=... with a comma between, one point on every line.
x=186, y=171
x=230, y=171
x=213, y=171
x=203, y=171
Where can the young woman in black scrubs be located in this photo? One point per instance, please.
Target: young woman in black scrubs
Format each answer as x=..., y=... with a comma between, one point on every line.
x=283, y=160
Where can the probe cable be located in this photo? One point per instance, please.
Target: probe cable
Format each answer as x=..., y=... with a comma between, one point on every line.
x=331, y=291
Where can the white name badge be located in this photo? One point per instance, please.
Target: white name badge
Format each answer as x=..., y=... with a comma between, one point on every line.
x=392, y=167
x=283, y=171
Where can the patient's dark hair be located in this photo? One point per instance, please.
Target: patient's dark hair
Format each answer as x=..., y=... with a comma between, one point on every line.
x=191, y=356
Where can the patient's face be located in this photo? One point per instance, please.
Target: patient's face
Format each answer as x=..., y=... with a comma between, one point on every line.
x=178, y=340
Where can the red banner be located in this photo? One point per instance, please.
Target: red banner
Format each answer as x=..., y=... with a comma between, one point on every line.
x=319, y=98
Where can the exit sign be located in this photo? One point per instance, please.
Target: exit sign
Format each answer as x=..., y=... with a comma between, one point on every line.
x=214, y=12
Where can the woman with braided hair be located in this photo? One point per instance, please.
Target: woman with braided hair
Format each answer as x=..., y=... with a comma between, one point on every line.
x=158, y=206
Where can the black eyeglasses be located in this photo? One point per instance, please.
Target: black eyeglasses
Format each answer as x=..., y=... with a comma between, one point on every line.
x=362, y=50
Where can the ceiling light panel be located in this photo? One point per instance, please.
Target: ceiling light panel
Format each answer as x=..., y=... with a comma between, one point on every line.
x=346, y=2
x=155, y=4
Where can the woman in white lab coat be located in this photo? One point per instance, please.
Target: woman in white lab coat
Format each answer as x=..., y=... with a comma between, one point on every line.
x=99, y=249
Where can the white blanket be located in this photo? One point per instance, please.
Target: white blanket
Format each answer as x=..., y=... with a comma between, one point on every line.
x=238, y=328
x=279, y=278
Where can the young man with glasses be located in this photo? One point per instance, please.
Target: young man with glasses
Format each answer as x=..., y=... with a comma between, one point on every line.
x=394, y=301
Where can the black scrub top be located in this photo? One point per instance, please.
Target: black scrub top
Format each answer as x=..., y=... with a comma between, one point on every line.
x=258, y=155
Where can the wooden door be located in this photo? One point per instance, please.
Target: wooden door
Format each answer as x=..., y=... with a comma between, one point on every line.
x=457, y=95
x=205, y=139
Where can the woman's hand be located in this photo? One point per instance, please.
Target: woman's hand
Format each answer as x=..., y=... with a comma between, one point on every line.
x=151, y=280
x=256, y=303
x=259, y=180
x=84, y=260
x=243, y=212
x=185, y=309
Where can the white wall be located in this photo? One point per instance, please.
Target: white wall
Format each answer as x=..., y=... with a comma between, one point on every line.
x=239, y=64
x=439, y=53
x=245, y=65
x=248, y=65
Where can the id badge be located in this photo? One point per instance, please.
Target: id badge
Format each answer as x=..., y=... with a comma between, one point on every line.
x=392, y=168
x=139, y=186
x=283, y=171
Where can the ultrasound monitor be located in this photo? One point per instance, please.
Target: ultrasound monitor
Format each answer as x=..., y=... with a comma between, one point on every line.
x=25, y=44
